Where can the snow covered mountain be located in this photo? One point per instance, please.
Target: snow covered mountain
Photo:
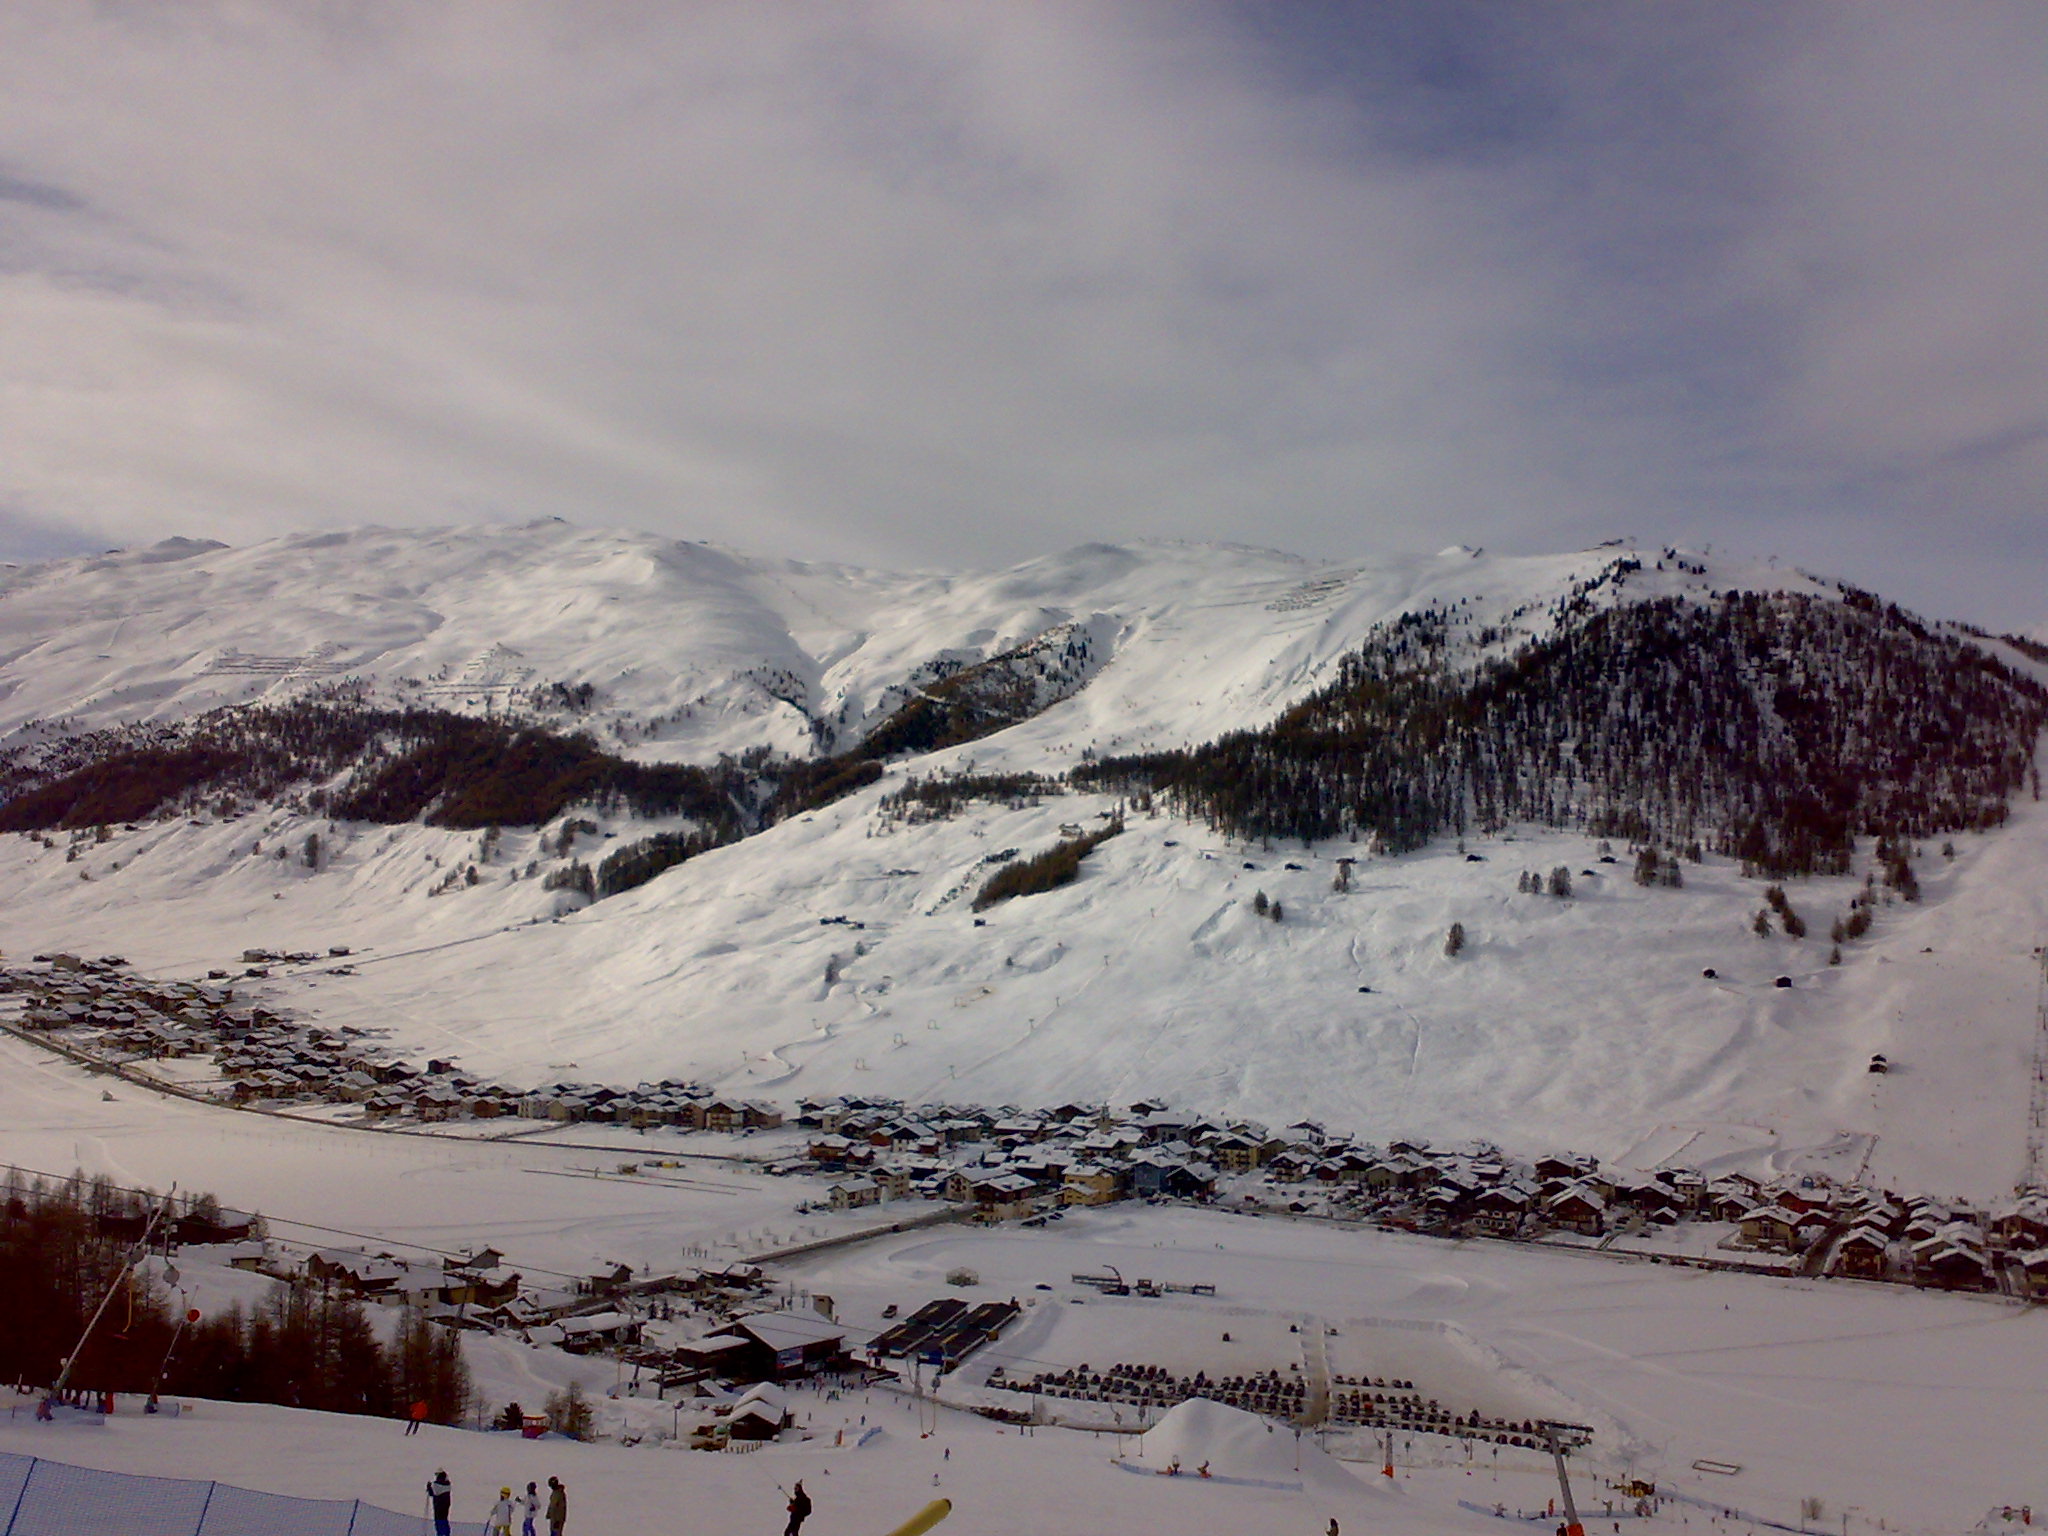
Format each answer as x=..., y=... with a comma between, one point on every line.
x=822, y=934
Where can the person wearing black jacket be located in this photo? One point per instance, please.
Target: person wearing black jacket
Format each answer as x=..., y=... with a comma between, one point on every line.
x=439, y=1492
x=799, y=1510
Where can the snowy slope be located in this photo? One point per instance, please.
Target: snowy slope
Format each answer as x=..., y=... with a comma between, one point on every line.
x=695, y=650
x=1585, y=1023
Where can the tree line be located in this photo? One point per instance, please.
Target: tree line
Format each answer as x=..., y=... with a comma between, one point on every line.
x=64, y=1244
x=1775, y=727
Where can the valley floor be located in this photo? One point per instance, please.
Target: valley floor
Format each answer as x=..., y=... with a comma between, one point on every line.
x=1919, y=1411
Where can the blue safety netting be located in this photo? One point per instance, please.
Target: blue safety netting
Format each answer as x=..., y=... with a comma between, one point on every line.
x=39, y=1497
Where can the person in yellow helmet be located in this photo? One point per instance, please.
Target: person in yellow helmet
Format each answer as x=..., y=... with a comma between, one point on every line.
x=499, y=1521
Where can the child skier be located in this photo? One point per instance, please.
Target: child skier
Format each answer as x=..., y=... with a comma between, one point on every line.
x=499, y=1521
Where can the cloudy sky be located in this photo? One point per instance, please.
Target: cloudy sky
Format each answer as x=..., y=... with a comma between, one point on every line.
x=944, y=282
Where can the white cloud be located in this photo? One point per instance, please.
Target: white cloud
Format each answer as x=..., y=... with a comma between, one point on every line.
x=940, y=282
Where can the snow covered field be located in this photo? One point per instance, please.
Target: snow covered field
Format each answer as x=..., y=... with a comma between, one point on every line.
x=560, y=1212
x=1917, y=1411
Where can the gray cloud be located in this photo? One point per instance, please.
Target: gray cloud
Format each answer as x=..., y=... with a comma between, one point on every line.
x=935, y=283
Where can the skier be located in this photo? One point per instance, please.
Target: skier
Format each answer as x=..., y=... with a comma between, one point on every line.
x=799, y=1510
x=499, y=1521
x=439, y=1492
x=558, y=1506
x=532, y=1509
x=415, y=1416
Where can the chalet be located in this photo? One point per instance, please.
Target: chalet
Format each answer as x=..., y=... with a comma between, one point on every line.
x=2024, y=1224
x=1728, y=1204
x=725, y=1115
x=1006, y=1196
x=761, y=1413
x=1045, y=1167
x=1688, y=1187
x=1798, y=1198
x=437, y=1104
x=832, y=1150
x=354, y=1272
x=1117, y=1141
x=1577, y=1208
x=1771, y=1227
x=1148, y=1174
x=467, y=1288
x=1164, y=1126
x=1953, y=1266
x=598, y=1330
x=2030, y=1270
x=851, y=1194
x=1354, y=1166
x=1399, y=1171
x=1450, y=1196
x=1289, y=1167
x=1500, y=1210
x=253, y=1255
x=1090, y=1184
x=1642, y=1193
x=215, y=1226
x=1235, y=1152
x=1863, y=1253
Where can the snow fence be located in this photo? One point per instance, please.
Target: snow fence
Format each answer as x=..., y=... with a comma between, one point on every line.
x=50, y=1498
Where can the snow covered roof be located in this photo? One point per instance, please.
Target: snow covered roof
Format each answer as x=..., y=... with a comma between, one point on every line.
x=787, y=1330
x=596, y=1322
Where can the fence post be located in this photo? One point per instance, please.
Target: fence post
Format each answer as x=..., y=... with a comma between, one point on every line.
x=15, y=1513
x=203, y=1508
